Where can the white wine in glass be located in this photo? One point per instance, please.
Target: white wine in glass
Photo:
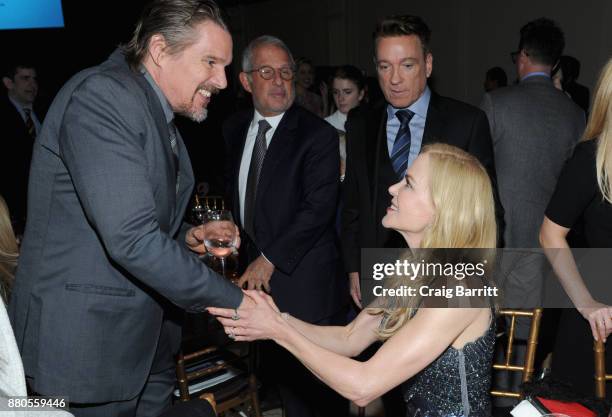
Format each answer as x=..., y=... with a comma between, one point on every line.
x=220, y=235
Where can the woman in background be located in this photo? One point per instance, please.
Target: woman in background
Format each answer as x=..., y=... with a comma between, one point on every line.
x=348, y=89
x=304, y=80
x=583, y=192
x=445, y=201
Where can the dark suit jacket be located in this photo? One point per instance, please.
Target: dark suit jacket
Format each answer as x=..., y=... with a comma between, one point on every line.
x=14, y=161
x=103, y=250
x=294, y=210
x=369, y=172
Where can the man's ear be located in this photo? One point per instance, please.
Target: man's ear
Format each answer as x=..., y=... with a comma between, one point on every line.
x=8, y=83
x=157, y=48
x=244, y=80
x=428, y=64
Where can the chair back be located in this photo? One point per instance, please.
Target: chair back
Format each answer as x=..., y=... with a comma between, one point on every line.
x=223, y=378
x=532, y=342
x=599, y=349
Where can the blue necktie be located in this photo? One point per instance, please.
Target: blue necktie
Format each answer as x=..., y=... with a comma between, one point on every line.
x=401, y=147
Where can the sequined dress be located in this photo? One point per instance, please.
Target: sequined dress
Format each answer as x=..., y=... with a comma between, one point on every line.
x=456, y=384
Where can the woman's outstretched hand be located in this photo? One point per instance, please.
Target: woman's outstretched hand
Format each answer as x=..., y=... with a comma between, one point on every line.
x=263, y=321
x=599, y=317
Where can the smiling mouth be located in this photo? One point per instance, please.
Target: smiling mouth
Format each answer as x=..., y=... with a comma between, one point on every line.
x=205, y=93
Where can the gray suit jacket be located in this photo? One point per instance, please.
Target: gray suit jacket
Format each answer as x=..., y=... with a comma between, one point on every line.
x=534, y=128
x=103, y=249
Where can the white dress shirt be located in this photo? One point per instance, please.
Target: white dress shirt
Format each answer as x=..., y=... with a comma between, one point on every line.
x=245, y=162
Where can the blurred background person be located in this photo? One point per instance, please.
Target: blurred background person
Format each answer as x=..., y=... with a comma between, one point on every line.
x=9, y=252
x=584, y=193
x=20, y=126
x=495, y=78
x=571, y=71
x=348, y=90
x=304, y=82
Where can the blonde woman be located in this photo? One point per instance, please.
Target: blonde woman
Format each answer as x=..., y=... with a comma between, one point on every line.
x=583, y=192
x=9, y=252
x=445, y=201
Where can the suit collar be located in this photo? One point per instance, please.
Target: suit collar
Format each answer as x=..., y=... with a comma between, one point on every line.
x=273, y=120
x=168, y=112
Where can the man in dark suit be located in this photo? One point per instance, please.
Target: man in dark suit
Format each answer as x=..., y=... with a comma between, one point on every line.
x=20, y=125
x=384, y=140
x=105, y=254
x=283, y=184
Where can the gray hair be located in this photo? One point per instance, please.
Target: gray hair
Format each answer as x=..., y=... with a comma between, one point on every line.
x=174, y=20
x=247, y=55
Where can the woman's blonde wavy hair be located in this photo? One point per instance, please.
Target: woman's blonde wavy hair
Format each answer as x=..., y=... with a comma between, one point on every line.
x=9, y=252
x=464, y=216
x=600, y=126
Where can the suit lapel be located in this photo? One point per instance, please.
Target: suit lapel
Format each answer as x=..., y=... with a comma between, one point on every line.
x=434, y=122
x=237, y=150
x=281, y=142
x=168, y=156
x=186, y=182
x=376, y=142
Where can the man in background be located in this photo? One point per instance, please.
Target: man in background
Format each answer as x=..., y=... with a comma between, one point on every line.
x=534, y=127
x=20, y=125
x=283, y=183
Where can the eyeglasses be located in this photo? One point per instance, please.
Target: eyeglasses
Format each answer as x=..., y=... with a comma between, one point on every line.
x=267, y=73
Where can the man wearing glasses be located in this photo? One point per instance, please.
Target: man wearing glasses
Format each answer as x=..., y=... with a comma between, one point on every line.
x=283, y=187
x=534, y=128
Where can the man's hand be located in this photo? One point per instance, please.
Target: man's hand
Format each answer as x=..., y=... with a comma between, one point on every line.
x=258, y=274
x=246, y=304
x=355, y=288
x=194, y=239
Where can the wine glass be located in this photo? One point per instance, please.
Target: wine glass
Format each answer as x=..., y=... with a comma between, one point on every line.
x=220, y=235
x=199, y=210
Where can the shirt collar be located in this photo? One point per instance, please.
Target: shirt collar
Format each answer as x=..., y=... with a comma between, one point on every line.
x=273, y=120
x=419, y=107
x=536, y=74
x=18, y=105
x=168, y=112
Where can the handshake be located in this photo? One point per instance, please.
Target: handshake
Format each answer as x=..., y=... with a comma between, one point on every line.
x=256, y=318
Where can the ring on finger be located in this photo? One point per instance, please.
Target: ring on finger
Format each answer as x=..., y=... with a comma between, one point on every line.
x=236, y=316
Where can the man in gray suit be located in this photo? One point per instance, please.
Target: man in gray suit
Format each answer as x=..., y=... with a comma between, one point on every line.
x=534, y=128
x=105, y=255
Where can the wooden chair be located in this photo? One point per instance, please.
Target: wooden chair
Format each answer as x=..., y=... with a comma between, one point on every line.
x=532, y=342
x=600, y=369
x=237, y=386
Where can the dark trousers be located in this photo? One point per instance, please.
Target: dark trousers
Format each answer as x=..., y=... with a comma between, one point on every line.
x=154, y=399
x=573, y=359
x=302, y=393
